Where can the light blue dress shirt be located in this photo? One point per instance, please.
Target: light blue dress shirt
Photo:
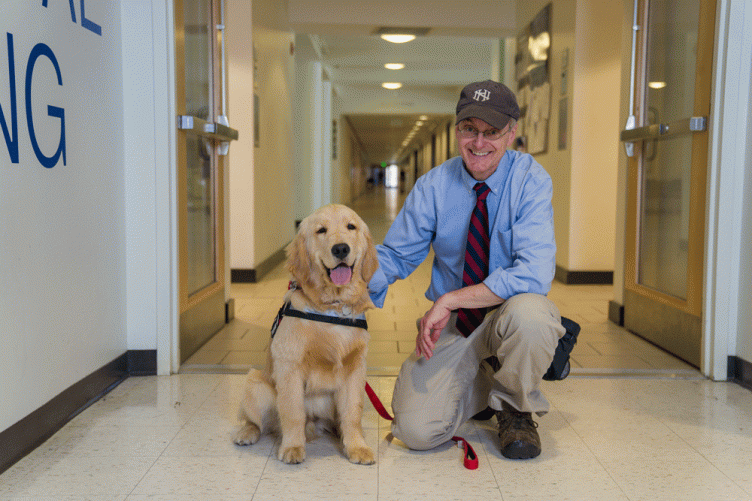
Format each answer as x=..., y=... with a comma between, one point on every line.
x=437, y=213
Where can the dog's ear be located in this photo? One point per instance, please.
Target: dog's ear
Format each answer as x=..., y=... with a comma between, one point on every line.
x=371, y=258
x=298, y=261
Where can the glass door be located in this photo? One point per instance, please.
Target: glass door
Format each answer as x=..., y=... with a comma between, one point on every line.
x=202, y=143
x=667, y=141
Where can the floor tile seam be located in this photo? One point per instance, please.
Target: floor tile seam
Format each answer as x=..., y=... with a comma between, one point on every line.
x=135, y=486
x=595, y=456
x=183, y=426
x=651, y=364
x=593, y=348
x=717, y=467
x=277, y=440
x=488, y=459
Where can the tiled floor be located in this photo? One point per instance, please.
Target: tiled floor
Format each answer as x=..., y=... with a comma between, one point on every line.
x=622, y=427
x=169, y=439
x=603, y=348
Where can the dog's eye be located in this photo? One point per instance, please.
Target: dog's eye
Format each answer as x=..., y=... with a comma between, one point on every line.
x=351, y=227
x=321, y=230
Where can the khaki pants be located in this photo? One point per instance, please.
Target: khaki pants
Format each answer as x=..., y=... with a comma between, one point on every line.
x=432, y=398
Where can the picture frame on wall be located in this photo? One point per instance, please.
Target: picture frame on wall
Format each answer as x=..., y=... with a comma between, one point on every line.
x=532, y=72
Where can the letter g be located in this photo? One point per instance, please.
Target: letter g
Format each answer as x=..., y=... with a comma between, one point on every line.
x=41, y=49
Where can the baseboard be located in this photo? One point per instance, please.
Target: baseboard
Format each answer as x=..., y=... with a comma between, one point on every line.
x=33, y=430
x=583, y=277
x=142, y=362
x=740, y=371
x=248, y=276
x=616, y=313
x=242, y=276
x=230, y=310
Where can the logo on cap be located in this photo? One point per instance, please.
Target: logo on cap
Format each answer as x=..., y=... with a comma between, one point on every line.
x=482, y=95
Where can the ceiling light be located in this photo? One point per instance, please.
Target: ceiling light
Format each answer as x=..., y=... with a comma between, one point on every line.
x=424, y=117
x=391, y=85
x=397, y=37
x=394, y=66
x=419, y=123
x=657, y=85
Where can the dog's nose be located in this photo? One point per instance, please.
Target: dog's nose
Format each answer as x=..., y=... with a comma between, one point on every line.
x=340, y=251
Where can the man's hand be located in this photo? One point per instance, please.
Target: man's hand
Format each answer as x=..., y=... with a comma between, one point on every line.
x=431, y=326
x=435, y=319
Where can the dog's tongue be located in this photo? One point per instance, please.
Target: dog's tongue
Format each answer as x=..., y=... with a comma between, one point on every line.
x=341, y=275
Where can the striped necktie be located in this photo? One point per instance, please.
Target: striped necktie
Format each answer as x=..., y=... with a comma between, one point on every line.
x=476, y=259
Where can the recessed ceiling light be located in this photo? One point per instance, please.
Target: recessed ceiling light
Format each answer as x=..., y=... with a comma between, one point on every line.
x=394, y=66
x=397, y=38
x=391, y=85
x=424, y=117
x=657, y=85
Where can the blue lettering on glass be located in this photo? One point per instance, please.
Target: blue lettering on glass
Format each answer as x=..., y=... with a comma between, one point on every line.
x=86, y=23
x=41, y=49
x=11, y=142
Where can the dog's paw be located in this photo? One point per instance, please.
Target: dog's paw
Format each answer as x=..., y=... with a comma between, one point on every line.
x=292, y=455
x=360, y=455
x=247, y=435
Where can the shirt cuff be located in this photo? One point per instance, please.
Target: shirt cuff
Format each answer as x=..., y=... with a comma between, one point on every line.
x=378, y=287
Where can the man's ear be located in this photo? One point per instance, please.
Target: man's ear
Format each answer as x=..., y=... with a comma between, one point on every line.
x=512, y=135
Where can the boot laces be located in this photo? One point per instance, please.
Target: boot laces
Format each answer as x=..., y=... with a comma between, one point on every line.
x=516, y=420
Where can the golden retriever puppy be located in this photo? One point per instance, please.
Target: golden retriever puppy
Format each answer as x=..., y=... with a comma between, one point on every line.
x=316, y=370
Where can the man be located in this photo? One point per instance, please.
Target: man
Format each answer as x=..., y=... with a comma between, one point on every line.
x=488, y=216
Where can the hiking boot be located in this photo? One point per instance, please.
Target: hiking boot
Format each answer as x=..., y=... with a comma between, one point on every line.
x=517, y=433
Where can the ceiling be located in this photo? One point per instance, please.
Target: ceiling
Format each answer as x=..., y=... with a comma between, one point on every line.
x=460, y=45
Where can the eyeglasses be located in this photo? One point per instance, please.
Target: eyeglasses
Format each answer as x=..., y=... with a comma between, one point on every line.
x=468, y=131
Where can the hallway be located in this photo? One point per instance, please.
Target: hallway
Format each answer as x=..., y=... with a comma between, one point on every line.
x=603, y=349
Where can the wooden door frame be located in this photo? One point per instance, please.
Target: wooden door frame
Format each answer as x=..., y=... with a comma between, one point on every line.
x=681, y=316
x=698, y=185
x=214, y=292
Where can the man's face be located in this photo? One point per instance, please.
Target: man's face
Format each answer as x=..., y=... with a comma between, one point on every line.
x=481, y=154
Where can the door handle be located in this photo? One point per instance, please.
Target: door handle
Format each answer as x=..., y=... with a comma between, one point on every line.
x=658, y=131
x=209, y=130
x=631, y=119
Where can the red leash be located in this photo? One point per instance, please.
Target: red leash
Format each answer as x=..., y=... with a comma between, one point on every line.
x=471, y=459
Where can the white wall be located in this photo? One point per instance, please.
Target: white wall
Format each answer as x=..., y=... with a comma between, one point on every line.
x=62, y=247
x=149, y=166
x=240, y=102
x=261, y=176
x=273, y=169
x=585, y=172
x=727, y=316
x=596, y=81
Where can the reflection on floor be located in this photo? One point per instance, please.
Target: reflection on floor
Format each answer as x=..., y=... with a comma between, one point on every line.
x=603, y=347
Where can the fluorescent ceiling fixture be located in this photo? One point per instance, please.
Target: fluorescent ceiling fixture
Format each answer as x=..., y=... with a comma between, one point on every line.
x=391, y=85
x=394, y=66
x=657, y=85
x=397, y=38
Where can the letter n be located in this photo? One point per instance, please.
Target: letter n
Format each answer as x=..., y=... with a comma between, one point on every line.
x=11, y=138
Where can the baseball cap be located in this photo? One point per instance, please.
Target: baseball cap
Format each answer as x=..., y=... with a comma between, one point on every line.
x=492, y=102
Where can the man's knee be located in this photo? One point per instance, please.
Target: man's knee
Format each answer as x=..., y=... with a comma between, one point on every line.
x=532, y=320
x=417, y=434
